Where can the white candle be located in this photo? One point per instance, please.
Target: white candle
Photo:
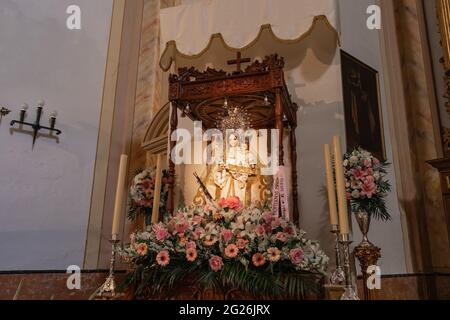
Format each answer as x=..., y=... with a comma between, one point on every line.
x=340, y=185
x=331, y=190
x=157, y=193
x=119, y=194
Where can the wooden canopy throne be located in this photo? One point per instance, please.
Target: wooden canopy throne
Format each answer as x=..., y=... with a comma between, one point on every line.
x=200, y=96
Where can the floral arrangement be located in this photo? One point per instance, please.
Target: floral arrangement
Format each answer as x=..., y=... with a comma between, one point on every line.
x=141, y=194
x=366, y=184
x=225, y=246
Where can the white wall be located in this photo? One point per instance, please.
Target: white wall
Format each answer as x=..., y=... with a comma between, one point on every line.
x=45, y=193
x=364, y=44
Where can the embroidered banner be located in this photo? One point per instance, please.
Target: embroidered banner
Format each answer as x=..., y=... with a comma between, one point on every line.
x=280, y=194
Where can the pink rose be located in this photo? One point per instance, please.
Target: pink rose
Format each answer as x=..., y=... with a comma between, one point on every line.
x=367, y=163
x=260, y=230
x=161, y=233
x=296, y=256
x=222, y=202
x=281, y=236
x=276, y=223
x=376, y=162
x=181, y=227
x=215, y=263
x=233, y=203
x=289, y=230
x=227, y=235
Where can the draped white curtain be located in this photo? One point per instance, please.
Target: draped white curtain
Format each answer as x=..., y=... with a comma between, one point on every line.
x=239, y=22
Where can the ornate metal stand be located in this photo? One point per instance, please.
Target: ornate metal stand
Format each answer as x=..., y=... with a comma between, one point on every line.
x=367, y=255
x=349, y=293
x=338, y=275
x=108, y=289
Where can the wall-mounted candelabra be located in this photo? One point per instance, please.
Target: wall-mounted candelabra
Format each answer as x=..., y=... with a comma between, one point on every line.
x=36, y=126
x=4, y=112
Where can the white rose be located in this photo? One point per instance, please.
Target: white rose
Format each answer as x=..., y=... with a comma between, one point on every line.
x=355, y=194
x=353, y=160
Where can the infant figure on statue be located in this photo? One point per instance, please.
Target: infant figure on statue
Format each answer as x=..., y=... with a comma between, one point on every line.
x=231, y=177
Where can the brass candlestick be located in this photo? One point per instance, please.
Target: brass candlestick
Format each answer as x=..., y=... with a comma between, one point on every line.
x=349, y=293
x=338, y=275
x=108, y=289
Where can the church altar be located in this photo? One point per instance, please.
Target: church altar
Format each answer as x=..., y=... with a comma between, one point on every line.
x=238, y=236
x=212, y=97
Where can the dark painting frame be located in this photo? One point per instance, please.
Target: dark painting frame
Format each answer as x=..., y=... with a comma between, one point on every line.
x=362, y=106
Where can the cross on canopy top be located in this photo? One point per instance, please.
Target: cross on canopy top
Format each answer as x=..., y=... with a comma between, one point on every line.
x=238, y=61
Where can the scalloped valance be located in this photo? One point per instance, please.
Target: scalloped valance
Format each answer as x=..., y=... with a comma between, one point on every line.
x=191, y=31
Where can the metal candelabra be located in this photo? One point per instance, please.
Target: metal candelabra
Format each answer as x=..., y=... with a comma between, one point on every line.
x=108, y=289
x=36, y=126
x=350, y=293
x=4, y=111
x=338, y=275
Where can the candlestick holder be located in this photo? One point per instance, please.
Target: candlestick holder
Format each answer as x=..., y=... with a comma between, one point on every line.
x=4, y=111
x=338, y=276
x=36, y=126
x=350, y=293
x=108, y=289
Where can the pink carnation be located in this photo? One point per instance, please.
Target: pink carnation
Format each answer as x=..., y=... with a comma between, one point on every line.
x=296, y=256
x=215, y=263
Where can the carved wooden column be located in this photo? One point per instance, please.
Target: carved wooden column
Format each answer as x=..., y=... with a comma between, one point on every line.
x=173, y=127
x=293, y=148
x=279, y=125
x=367, y=256
x=443, y=165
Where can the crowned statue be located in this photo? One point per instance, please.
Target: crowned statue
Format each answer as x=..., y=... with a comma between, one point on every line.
x=234, y=170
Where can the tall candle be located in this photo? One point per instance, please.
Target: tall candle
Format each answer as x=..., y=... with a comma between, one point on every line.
x=331, y=190
x=157, y=193
x=119, y=194
x=340, y=185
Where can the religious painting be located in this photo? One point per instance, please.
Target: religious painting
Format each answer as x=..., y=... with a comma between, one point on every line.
x=363, y=119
